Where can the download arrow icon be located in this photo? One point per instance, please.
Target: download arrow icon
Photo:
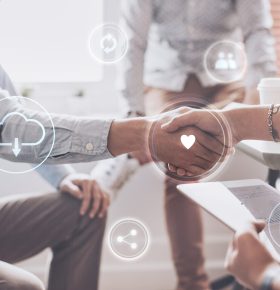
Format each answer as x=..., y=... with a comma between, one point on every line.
x=16, y=148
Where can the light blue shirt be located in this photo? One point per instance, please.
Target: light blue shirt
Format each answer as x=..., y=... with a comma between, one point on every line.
x=77, y=139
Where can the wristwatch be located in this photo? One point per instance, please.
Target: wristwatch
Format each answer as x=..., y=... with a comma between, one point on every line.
x=269, y=277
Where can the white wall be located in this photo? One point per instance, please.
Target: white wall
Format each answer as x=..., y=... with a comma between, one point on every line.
x=47, y=41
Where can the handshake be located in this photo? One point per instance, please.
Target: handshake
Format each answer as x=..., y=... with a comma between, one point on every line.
x=190, y=141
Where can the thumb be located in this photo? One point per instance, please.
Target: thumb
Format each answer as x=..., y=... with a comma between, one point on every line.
x=259, y=225
x=73, y=190
x=180, y=121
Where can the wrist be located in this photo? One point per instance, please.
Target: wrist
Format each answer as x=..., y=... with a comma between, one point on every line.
x=268, y=279
x=235, y=119
x=128, y=135
x=249, y=123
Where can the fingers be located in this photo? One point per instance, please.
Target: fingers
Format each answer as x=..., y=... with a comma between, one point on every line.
x=172, y=168
x=181, y=172
x=230, y=255
x=210, y=142
x=81, y=186
x=86, y=185
x=180, y=121
x=73, y=190
x=95, y=200
x=259, y=225
x=104, y=205
x=254, y=228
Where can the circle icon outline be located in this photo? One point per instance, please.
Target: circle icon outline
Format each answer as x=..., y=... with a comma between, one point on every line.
x=196, y=103
x=244, y=66
x=269, y=227
x=116, y=28
x=53, y=141
x=145, y=230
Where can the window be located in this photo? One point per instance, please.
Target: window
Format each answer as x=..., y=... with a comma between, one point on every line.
x=47, y=41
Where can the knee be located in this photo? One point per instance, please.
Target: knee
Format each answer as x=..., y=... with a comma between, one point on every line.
x=98, y=224
x=33, y=283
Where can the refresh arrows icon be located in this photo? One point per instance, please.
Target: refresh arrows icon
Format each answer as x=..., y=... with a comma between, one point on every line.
x=108, y=43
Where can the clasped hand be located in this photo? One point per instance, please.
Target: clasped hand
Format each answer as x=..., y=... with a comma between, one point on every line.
x=210, y=144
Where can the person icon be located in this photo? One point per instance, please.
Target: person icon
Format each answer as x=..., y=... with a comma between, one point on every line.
x=232, y=64
x=226, y=61
x=222, y=63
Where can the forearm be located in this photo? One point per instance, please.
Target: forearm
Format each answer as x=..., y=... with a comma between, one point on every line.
x=251, y=123
x=128, y=135
x=66, y=139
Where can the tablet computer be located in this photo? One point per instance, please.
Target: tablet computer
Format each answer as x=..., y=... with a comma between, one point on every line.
x=235, y=203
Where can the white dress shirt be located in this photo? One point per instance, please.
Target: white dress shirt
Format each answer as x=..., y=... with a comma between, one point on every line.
x=168, y=40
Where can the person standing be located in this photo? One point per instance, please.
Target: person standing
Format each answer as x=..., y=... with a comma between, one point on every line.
x=164, y=63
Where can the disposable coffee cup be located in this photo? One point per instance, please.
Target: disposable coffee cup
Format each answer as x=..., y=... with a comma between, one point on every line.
x=269, y=90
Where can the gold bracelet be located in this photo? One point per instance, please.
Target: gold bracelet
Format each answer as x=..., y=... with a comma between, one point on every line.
x=272, y=111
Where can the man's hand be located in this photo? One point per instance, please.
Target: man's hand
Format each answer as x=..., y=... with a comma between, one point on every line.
x=211, y=124
x=208, y=122
x=247, y=258
x=167, y=147
x=83, y=187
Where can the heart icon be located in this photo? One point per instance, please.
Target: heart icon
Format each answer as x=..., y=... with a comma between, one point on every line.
x=188, y=141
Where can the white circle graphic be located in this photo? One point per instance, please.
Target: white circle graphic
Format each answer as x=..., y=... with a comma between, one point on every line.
x=108, y=43
x=18, y=148
x=129, y=239
x=225, y=61
x=225, y=132
x=274, y=225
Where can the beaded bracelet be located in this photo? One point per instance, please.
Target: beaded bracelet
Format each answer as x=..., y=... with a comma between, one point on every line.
x=272, y=111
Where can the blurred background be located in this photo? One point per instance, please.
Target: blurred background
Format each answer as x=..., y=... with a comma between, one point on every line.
x=72, y=82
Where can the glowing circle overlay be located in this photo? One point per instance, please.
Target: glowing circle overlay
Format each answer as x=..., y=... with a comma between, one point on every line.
x=201, y=104
x=98, y=37
x=225, y=76
x=39, y=108
x=137, y=229
x=274, y=225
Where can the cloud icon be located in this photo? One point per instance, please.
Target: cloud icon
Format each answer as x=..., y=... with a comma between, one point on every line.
x=16, y=144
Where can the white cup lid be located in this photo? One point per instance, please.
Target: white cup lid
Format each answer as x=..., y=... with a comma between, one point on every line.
x=269, y=83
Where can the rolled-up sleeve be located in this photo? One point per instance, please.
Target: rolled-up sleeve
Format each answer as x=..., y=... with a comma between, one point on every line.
x=76, y=139
x=256, y=22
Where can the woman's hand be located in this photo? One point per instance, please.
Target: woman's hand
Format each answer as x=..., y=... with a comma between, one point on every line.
x=211, y=124
x=83, y=187
x=247, y=258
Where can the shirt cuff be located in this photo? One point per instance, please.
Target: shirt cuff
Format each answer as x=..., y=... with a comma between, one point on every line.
x=54, y=174
x=91, y=138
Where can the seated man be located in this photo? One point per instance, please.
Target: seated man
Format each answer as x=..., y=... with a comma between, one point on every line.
x=33, y=223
